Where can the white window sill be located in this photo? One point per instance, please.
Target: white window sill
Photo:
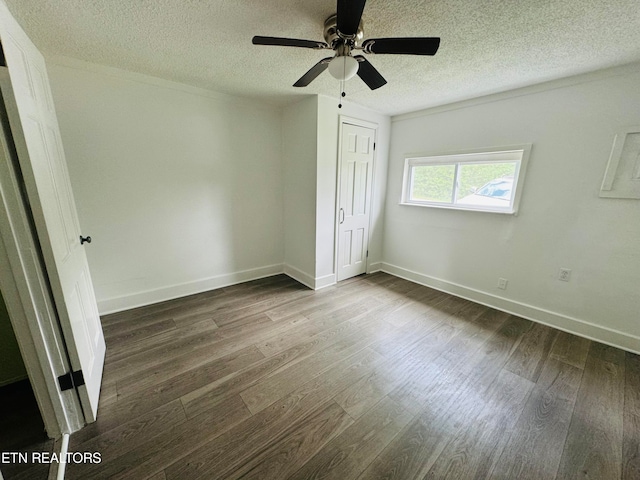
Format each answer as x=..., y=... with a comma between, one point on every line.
x=460, y=207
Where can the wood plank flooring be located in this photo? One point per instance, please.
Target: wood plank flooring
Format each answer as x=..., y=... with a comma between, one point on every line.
x=374, y=378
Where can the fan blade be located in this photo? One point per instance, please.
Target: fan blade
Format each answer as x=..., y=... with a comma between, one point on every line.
x=349, y=15
x=313, y=72
x=369, y=74
x=288, y=42
x=404, y=46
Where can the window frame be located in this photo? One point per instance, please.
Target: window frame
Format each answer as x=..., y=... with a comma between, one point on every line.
x=475, y=156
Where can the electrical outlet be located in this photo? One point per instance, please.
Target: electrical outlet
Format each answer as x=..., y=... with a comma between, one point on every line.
x=502, y=283
x=564, y=275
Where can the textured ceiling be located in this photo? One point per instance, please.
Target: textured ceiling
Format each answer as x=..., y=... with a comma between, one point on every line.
x=487, y=45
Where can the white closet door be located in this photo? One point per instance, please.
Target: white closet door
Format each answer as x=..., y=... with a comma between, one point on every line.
x=356, y=175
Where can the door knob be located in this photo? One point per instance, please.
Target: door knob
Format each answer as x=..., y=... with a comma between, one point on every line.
x=84, y=239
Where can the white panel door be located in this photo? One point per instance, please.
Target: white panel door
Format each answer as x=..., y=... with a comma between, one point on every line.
x=37, y=137
x=356, y=175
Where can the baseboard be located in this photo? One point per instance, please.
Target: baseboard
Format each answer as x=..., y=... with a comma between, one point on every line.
x=149, y=297
x=13, y=380
x=573, y=325
x=375, y=267
x=314, y=283
x=326, y=281
x=300, y=276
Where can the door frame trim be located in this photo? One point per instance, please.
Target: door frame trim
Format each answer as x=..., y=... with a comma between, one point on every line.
x=345, y=119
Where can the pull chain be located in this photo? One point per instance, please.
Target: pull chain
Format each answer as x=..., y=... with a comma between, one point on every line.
x=344, y=74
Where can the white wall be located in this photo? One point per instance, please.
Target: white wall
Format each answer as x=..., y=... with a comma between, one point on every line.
x=299, y=137
x=562, y=222
x=180, y=188
x=184, y=190
x=325, y=199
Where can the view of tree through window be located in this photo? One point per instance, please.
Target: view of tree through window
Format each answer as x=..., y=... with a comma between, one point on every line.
x=433, y=183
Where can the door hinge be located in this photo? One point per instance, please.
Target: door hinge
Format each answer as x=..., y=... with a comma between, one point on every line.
x=374, y=145
x=367, y=253
x=70, y=380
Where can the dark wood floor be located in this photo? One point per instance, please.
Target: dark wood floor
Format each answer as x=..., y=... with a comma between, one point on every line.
x=374, y=378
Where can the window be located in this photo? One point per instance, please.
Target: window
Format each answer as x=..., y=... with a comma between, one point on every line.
x=488, y=181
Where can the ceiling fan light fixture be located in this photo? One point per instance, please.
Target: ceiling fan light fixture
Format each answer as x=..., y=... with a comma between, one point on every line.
x=343, y=33
x=343, y=67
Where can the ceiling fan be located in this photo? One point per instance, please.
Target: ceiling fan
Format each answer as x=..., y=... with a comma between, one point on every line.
x=343, y=33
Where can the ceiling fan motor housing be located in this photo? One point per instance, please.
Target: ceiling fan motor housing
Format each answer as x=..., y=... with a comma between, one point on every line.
x=334, y=39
